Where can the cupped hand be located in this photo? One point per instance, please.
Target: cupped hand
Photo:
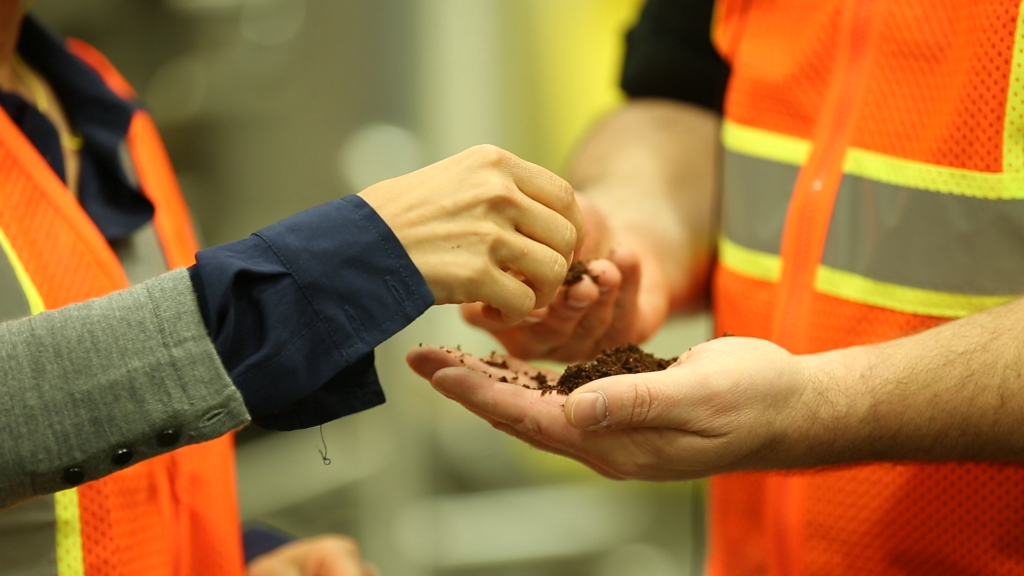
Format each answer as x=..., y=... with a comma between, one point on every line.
x=725, y=405
x=614, y=304
x=484, y=226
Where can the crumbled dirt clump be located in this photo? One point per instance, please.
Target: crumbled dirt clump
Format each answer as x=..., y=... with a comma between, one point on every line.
x=627, y=359
x=576, y=273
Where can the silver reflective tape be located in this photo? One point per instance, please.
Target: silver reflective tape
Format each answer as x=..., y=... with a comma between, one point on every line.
x=927, y=240
x=755, y=198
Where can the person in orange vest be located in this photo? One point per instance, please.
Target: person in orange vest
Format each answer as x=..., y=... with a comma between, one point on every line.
x=123, y=381
x=846, y=180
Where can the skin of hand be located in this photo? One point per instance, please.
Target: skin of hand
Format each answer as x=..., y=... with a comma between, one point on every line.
x=650, y=175
x=950, y=393
x=484, y=226
x=612, y=305
x=327, y=555
x=729, y=404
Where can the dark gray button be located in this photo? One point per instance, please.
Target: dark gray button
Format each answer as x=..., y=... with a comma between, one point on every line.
x=73, y=476
x=122, y=457
x=168, y=438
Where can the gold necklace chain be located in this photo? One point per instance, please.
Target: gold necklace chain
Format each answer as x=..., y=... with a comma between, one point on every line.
x=42, y=103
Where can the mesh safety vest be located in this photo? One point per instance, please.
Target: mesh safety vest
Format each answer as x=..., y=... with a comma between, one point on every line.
x=174, y=515
x=873, y=188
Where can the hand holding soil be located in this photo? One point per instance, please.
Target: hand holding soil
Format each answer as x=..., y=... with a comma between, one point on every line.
x=611, y=305
x=601, y=309
x=725, y=405
x=484, y=226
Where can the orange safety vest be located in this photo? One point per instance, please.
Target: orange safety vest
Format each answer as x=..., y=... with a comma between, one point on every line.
x=873, y=187
x=175, y=514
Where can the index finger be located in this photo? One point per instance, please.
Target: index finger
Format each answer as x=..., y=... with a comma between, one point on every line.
x=549, y=189
x=528, y=411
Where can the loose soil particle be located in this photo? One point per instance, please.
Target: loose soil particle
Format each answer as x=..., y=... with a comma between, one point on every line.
x=496, y=363
x=576, y=273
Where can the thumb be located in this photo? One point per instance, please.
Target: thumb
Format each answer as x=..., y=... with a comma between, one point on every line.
x=626, y=401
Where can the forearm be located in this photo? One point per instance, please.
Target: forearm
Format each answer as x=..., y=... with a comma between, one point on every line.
x=651, y=168
x=955, y=392
x=88, y=381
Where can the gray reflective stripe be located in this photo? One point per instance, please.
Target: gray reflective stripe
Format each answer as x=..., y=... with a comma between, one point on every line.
x=927, y=240
x=755, y=198
x=141, y=255
x=895, y=235
x=28, y=536
x=13, y=303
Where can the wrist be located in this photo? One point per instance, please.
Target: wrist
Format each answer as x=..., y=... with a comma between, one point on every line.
x=833, y=425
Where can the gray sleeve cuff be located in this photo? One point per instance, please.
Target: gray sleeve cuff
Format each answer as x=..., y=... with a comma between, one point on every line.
x=93, y=388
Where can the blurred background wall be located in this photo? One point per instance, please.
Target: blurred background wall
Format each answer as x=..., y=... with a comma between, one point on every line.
x=272, y=106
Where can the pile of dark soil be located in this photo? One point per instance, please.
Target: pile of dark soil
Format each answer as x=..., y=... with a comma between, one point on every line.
x=626, y=359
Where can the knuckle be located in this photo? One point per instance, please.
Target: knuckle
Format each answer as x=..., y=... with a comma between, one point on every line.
x=491, y=155
x=566, y=194
x=500, y=191
x=550, y=279
x=508, y=192
x=559, y=268
x=526, y=303
x=571, y=235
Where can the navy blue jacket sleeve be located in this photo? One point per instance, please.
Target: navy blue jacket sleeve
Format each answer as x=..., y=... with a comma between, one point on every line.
x=296, y=309
x=258, y=540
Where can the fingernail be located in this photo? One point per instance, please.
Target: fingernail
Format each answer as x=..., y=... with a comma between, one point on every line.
x=590, y=410
x=578, y=303
x=531, y=320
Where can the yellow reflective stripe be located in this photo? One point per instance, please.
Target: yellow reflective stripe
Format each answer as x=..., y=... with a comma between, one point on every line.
x=765, y=144
x=856, y=288
x=70, y=557
x=932, y=177
x=1013, y=127
x=35, y=302
x=863, y=290
x=887, y=169
x=750, y=263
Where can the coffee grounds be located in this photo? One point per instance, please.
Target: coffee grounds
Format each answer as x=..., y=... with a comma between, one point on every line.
x=626, y=359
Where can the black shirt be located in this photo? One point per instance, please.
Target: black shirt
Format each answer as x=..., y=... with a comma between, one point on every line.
x=669, y=54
